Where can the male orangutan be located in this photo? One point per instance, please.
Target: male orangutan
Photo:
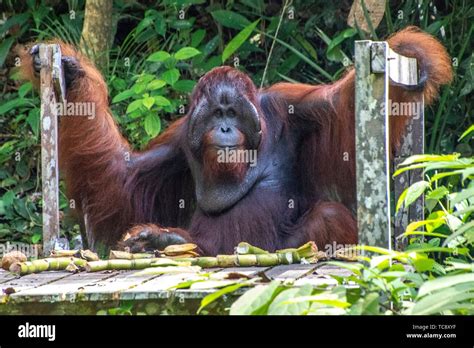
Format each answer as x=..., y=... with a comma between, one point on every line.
x=301, y=186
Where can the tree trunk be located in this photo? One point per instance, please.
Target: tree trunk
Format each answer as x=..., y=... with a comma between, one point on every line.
x=97, y=32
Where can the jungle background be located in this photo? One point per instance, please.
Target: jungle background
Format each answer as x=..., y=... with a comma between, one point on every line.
x=153, y=52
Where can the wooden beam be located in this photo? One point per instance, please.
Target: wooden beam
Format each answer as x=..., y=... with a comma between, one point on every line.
x=52, y=91
x=377, y=65
x=372, y=144
x=404, y=70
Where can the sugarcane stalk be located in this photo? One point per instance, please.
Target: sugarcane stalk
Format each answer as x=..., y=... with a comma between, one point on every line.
x=63, y=253
x=119, y=264
x=124, y=255
x=246, y=256
x=48, y=264
x=305, y=251
x=245, y=248
x=247, y=260
x=204, y=261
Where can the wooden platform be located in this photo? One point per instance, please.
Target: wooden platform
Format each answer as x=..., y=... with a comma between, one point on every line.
x=89, y=293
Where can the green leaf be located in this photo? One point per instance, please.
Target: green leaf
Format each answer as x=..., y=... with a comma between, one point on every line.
x=467, y=173
x=161, y=101
x=185, y=86
x=170, y=76
x=36, y=238
x=462, y=266
x=136, y=104
x=139, y=88
x=186, y=53
x=123, y=96
x=159, y=56
x=152, y=125
x=278, y=307
x=429, y=158
x=148, y=102
x=15, y=20
x=334, y=51
x=8, y=198
x=449, y=297
x=415, y=191
x=156, y=84
x=421, y=262
x=436, y=220
x=181, y=24
x=210, y=46
x=13, y=104
x=144, y=23
x=5, y=48
x=238, y=40
x=118, y=83
x=197, y=37
x=230, y=19
x=462, y=195
x=33, y=120
x=24, y=88
x=434, y=27
x=367, y=305
x=160, y=26
x=255, y=300
x=438, y=193
x=401, y=199
x=217, y=294
x=445, y=282
x=467, y=132
x=324, y=298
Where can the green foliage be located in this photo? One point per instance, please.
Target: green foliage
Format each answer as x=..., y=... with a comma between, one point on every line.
x=433, y=275
x=152, y=92
x=238, y=41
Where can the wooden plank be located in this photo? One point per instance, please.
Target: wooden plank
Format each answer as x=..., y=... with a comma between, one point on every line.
x=157, y=288
x=6, y=276
x=49, y=151
x=412, y=143
x=332, y=270
x=401, y=69
x=31, y=281
x=246, y=271
x=372, y=144
x=290, y=272
x=111, y=288
x=65, y=289
x=323, y=275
